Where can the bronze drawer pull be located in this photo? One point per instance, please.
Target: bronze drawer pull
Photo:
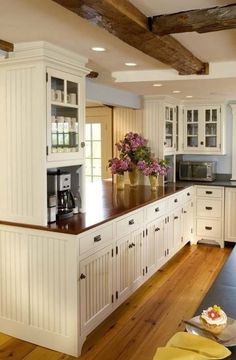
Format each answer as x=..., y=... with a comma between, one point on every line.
x=156, y=209
x=175, y=200
x=208, y=208
x=82, y=276
x=188, y=194
x=97, y=238
x=157, y=229
x=208, y=192
x=208, y=227
x=176, y=217
x=131, y=222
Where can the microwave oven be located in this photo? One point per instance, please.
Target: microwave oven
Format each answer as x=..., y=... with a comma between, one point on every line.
x=197, y=170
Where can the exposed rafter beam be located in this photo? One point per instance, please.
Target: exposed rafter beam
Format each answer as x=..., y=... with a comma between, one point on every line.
x=202, y=20
x=127, y=23
x=6, y=46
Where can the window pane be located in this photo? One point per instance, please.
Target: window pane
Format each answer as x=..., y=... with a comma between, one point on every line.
x=88, y=168
x=88, y=132
x=96, y=149
x=97, y=167
x=96, y=128
x=88, y=149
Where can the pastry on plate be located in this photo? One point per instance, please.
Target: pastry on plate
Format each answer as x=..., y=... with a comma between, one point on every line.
x=214, y=319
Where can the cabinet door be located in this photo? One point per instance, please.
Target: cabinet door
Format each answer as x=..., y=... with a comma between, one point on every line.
x=161, y=244
x=150, y=248
x=64, y=116
x=187, y=222
x=95, y=287
x=122, y=280
x=170, y=130
x=230, y=214
x=211, y=129
x=191, y=128
x=177, y=229
x=136, y=259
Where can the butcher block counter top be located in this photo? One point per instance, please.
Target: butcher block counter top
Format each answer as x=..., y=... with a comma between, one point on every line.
x=104, y=203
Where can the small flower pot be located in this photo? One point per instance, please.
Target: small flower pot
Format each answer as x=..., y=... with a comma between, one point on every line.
x=120, y=182
x=153, y=182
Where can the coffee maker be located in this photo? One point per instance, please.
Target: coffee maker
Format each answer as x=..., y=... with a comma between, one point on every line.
x=65, y=198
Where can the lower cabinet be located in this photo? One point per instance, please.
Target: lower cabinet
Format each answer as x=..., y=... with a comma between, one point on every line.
x=187, y=222
x=95, y=288
x=230, y=214
x=210, y=214
x=128, y=264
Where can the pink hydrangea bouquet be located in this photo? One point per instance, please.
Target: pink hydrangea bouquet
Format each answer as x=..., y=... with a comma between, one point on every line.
x=153, y=167
x=119, y=166
x=134, y=147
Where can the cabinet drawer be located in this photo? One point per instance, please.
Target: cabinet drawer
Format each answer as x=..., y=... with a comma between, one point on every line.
x=155, y=210
x=129, y=223
x=175, y=201
x=209, y=228
x=210, y=192
x=187, y=194
x=209, y=208
x=94, y=239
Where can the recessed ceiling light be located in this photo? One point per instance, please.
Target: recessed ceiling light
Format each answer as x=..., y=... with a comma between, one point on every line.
x=157, y=85
x=99, y=49
x=176, y=91
x=130, y=64
x=189, y=96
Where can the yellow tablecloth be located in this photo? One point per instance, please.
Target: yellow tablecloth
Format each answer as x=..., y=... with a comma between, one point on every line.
x=185, y=346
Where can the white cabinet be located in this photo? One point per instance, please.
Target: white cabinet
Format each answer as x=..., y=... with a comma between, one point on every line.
x=95, y=288
x=203, y=130
x=210, y=214
x=65, y=118
x=169, y=128
x=129, y=255
x=27, y=107
x=187, y=222
x=230, y=214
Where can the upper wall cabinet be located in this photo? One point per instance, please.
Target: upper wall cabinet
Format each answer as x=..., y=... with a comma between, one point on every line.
x=170, y=132
x=203, y=130
x=65, y=135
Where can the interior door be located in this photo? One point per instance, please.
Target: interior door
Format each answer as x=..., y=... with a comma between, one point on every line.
x=98, y=139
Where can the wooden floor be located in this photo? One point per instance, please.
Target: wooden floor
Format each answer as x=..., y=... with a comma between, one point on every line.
x=148, y=318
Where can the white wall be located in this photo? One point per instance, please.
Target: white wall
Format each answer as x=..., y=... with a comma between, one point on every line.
x=111, y=96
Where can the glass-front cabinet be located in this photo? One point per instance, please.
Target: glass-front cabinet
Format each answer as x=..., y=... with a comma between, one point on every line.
x=64, y=113
x=202, y=129
x=170, y=131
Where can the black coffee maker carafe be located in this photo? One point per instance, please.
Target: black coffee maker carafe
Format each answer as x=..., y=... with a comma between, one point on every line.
x=65, y=198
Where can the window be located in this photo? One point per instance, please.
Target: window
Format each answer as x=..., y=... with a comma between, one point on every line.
x=93, y=171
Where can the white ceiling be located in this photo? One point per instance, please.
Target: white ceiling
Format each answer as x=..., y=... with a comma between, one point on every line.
x=33, y=20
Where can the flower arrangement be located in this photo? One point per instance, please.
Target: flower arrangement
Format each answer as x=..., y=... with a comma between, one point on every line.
x=134, y=147
x=119, y=166
x=153, y=167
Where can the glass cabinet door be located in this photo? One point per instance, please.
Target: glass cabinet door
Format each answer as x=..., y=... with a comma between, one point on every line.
x=192, y=128
x=64, y=120
x=169, y=127
x=211, y=127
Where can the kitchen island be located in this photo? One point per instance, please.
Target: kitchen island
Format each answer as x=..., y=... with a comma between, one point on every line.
x=62, y=280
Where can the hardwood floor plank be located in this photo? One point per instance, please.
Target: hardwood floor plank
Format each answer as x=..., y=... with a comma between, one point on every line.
x=148, y=318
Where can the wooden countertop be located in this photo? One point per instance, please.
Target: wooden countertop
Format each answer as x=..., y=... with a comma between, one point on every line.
x=104, y=203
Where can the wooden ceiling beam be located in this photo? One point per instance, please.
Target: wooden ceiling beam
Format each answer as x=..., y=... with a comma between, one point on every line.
x=6, y=46
x=202, y=20
x=126, y=22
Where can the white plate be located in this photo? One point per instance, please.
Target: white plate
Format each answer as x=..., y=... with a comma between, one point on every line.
x=228, y=333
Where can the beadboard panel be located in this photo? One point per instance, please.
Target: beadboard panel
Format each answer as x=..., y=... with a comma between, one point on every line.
x=48, y=267
x=22, y=125
x=14, y=299
x=124, y=121
x=151, y=118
